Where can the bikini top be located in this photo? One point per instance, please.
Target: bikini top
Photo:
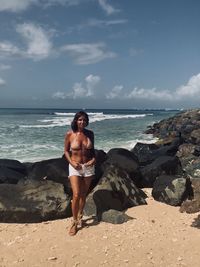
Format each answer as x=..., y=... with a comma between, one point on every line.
x=77, y=145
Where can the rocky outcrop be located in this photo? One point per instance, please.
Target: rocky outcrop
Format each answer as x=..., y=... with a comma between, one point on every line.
x=162, y=165
x=11, y=171
x=33, y=201
x=171, y=190
x=192, y=204
x=115, y=190
x=171, y=167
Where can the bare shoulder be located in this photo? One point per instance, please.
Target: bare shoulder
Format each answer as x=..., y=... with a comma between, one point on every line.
x=68, y=134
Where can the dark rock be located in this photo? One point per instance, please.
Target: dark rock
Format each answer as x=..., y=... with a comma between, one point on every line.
x=197, y=151
x=33, y=201
x=162, y=165
x=191, y=166
x=192, y=205
x=195, y=137
x=115, y=216
x=115, y=190
x=13, y=164
x=185, y=150
x=123, y=159
x=145, y=153
x=52, y=169
x=11, y=171
x=170, y=189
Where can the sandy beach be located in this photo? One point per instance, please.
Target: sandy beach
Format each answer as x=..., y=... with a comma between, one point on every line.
x=158, y=235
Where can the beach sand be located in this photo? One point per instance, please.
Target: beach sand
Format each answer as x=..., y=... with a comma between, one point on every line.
x=158, y=235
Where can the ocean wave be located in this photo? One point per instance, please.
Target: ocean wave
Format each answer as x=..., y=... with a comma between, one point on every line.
x=61, y=120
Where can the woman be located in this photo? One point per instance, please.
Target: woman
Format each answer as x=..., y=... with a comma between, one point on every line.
x=79, y=151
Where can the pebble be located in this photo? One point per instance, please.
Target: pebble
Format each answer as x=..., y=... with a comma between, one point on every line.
x=52, y=258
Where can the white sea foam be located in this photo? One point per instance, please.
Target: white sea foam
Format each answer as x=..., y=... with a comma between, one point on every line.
x=65, y=119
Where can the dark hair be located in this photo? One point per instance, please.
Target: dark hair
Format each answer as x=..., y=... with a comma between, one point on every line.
x=76, y=117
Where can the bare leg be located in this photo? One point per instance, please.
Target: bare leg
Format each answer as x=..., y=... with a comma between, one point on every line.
x=85, y=185
x=76, y=189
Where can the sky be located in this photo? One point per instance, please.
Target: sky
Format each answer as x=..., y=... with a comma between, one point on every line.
x=100, y=54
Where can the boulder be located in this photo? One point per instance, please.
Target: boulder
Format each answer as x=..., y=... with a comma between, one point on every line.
x=52, y=169
x=162, y=165
x=33, y=201
x=115, y=190
x=145, y=153
x=11, y=171
x=192, y=204
x=195, y=137
x=123, y=159
x=170, y=189
x=115, y=217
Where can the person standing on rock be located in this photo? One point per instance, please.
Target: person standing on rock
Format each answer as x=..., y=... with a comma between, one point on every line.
x=79, y=151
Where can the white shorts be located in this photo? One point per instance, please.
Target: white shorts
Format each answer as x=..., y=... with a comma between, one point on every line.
x=85, y=171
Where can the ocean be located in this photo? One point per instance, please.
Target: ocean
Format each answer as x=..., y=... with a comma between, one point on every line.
x=31, y=135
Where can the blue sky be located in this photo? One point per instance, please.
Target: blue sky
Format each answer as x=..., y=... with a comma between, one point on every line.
x=100, y=53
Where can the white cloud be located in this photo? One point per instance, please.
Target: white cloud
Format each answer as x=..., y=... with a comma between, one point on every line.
x=79, y=90
x=37, y=42
x=185, y=92
x=107, y=7
x=15, y=5
x=103, y=23
x=59, y=95
x=4, y=67
x=115, y=92
x=39, y=45
x=191, y=89
x=8, y=49
x=151, y=94
x=22, y=5
x=2, y=82
x=88, y=53
x=91, y=82
x=48, y=3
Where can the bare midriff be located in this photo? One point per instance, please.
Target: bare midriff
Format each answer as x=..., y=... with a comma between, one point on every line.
x=81, y=155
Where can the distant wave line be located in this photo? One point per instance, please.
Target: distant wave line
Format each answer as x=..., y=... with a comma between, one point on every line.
x=59, y=122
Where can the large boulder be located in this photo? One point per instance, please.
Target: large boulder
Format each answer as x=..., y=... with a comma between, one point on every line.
x=115, y=190
x=171, y=190
x=192, y=204
x=11, y=171
x=33, y=201
x=162, y=165
x=123, y=159
x=147, y=153
x=52, y=169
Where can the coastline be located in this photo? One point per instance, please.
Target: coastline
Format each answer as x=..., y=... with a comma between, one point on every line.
x=158, y=235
